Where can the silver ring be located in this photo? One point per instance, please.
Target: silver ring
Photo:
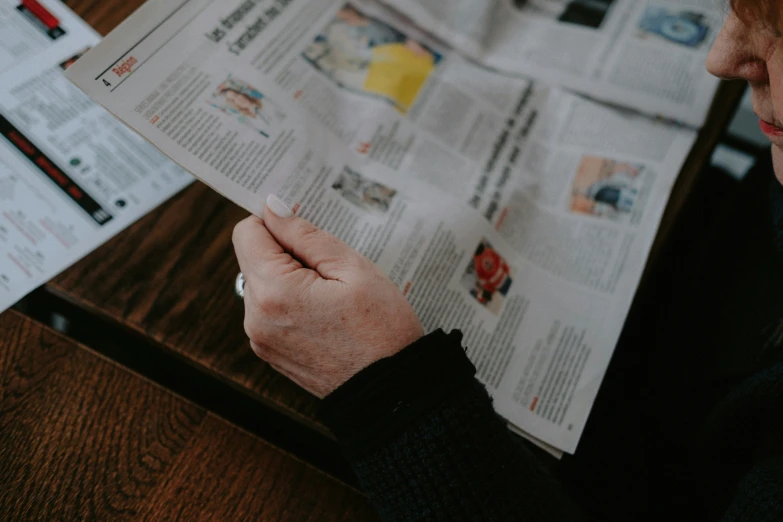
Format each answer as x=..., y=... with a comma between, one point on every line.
x=239, y=286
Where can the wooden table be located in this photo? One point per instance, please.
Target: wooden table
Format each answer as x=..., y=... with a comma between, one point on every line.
x=84, y=439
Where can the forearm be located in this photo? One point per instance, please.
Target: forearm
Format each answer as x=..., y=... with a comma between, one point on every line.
x=426, y=444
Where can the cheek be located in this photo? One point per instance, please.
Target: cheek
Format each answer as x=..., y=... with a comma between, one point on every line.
x=774, y=63
x=776, y=89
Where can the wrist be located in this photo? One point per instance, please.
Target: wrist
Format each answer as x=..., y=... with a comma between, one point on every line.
x=383, y=399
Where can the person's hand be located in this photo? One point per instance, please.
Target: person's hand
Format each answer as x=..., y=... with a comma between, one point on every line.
x=315, y=309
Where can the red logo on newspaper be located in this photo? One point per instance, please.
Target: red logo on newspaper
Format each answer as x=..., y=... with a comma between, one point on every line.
x=40, y=12
x=125, y=67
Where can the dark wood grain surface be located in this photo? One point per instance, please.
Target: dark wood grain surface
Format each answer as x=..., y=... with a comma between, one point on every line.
x=169, y=276
x=83, y=439
x=104, y=15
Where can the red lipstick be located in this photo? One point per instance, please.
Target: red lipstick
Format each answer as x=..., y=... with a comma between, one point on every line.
x=769, y=129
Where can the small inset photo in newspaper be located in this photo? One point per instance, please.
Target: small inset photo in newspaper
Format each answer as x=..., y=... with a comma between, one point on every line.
x=364, y=193
x=679, y=27
x=72, y=60
x=488, y=277
x=587, y=13
x=247, y=105
x=609, y=189
x=369, y=57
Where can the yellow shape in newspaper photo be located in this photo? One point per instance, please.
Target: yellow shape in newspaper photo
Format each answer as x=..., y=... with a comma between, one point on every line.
x=398, y=71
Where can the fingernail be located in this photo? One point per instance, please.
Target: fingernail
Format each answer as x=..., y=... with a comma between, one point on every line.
x=277, y=207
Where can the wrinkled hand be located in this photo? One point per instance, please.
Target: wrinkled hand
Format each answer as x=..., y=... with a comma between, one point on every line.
x=315, y=309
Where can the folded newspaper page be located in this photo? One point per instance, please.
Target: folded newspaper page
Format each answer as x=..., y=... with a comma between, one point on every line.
x=71, y=176
x=645, y=55
x=516, y=212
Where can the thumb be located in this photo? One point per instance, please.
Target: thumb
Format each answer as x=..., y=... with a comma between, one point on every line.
x=313, y=247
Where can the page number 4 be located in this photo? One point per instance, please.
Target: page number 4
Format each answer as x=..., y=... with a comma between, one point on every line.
x=107, y=84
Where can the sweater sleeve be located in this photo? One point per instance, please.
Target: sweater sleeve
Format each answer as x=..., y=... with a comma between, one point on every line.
x=426, y=444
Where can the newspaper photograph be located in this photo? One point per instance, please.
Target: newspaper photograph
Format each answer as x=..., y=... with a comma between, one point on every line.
x=648, y=56
x=518, y=212
x=71, y=175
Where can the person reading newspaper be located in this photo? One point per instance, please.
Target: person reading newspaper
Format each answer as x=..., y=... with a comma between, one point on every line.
x=418, y=428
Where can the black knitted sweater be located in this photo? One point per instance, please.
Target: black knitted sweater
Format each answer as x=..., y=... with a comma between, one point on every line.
x=426, y=444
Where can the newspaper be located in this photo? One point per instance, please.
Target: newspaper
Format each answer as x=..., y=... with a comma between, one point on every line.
x=71, y=176
x=645, y=55
x=519, y=213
